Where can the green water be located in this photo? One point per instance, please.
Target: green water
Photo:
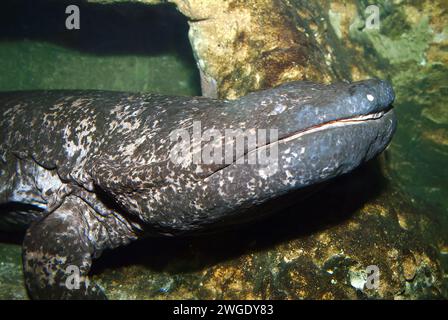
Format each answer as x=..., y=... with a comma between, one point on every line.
x=37, y=65
x=121, y=47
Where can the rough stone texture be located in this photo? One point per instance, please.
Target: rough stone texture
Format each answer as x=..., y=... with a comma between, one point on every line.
x=250, y=45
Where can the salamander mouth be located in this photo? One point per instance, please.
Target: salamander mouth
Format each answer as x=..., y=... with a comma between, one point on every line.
x=342, y=122
x=332, y=124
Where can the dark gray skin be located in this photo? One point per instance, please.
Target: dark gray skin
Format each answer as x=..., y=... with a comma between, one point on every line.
x=90, y=170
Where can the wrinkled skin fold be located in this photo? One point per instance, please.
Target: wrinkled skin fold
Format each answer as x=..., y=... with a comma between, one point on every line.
x=86, y=171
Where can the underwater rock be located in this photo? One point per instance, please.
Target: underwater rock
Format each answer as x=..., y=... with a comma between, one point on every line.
x=250, y=45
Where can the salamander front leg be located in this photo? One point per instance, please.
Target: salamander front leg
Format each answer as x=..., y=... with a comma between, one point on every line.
x=57, y=256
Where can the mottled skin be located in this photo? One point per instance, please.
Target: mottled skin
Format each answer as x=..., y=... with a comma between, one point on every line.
x=91, y=170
